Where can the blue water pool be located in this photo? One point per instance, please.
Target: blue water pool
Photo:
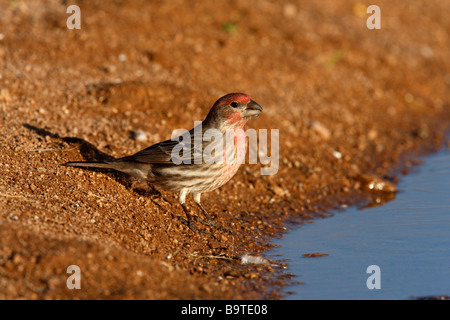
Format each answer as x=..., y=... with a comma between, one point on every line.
x=408, y=239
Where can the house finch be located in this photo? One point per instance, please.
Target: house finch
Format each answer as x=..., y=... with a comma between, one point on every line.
x=160, y=166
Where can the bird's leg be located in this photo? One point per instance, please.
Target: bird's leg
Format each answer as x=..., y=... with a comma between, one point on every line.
x=196, y=197
x=205, y=213
x=189, y=222
x=209, y=222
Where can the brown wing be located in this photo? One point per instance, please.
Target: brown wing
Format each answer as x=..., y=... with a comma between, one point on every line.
x=164, y=152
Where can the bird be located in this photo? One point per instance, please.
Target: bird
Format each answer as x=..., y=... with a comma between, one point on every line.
x=220, y=133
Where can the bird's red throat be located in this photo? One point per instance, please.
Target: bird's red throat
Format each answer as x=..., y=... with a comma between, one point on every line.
x=236, y=120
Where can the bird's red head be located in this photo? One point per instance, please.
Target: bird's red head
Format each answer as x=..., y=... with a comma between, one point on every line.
x=231, y=97
x=232, y=110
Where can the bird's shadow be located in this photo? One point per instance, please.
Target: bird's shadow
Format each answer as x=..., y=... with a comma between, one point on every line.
x=90, y=153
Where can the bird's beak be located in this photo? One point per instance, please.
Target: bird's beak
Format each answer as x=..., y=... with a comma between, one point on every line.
x=252, y=109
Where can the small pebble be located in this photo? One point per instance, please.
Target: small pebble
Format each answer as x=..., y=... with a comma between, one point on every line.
x=314, y=255
x=373, y=183
x=139, y=135
x=321, y=130
x=337, y=154
x=248, y=259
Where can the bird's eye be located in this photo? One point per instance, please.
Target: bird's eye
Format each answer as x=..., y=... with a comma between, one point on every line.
x=234, y=104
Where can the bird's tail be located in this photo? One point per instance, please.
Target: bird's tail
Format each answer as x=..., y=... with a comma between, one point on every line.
x=135, y=169
x=91, y=164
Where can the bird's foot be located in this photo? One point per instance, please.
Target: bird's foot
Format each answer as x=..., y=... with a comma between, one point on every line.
x=191, y=225
x=209, y=222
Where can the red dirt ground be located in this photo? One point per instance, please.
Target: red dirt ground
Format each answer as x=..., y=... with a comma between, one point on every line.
x=348, y=102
